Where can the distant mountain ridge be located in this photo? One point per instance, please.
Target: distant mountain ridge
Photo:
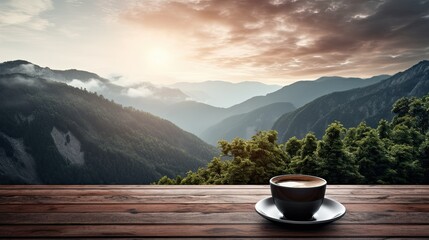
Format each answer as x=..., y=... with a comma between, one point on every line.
x=195, y=117
x=298, y=93
x=25, y=67
x=224, y=94
x=247, y=124
x=302, y=92
x=93, y=82
x=184, y=113
x=369, y=104
x=52, y=133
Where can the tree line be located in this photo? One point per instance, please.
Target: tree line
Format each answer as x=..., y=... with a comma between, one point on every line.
x=394, y=152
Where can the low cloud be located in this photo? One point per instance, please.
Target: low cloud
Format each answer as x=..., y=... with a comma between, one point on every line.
x=24, y=68
x=93, y=85
x=138, y=92
x=295, y=38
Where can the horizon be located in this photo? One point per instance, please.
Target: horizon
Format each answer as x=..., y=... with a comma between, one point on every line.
x=166, y=42
x=112, y=80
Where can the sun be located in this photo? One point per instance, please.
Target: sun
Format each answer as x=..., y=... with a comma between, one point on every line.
x=158, y=57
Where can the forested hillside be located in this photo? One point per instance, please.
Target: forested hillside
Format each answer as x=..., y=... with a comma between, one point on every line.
x=369, y=104
x=303, y=92
x=247, y=124
x=394, y=152
x=52, y=133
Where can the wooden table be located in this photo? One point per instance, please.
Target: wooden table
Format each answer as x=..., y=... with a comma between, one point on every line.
x=201, y=212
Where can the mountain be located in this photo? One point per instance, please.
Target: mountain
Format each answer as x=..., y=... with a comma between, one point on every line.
x=130, y=95
x=302, y=92
x=247, y=124
x=52, y=133
x=165, y=102
x=173, y=104
x=25, y=67
x=212, y=123
x=198, y=117
x=369, y=104
x=224, y=94
x=192, y=116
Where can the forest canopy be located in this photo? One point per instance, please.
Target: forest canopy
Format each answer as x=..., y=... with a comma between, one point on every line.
x=395, y=152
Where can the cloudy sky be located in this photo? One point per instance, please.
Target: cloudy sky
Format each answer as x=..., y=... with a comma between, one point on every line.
x=167, y=41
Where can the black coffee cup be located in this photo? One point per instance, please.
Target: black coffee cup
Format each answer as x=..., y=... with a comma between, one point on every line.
x=296, y=196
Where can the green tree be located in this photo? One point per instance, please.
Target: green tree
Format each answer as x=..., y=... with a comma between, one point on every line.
x=267, y=155
x=216, y=171
x=424, y=158
x=193, y=178
x=241, y=171
x=403, y=134
x=401, y=109
x=384, y=129
x=354, y=136
x=336, y=165
x=371, y=155
x=293, y=147
x=166, y=181
x=308, y=162
x=419, y=110
x=309, y=145
x=408, y=168
x=394, y=152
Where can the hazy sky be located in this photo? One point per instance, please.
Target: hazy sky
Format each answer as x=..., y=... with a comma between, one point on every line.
x=167, y=41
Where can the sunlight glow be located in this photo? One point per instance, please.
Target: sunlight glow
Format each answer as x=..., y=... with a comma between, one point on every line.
x=158, y=57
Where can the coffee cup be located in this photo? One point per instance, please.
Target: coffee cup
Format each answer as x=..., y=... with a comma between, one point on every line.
x=296, y=196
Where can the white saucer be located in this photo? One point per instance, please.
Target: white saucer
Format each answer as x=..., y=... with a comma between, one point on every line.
x=330, y=211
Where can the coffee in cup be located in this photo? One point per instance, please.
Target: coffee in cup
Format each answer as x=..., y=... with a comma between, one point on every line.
x=296, y=196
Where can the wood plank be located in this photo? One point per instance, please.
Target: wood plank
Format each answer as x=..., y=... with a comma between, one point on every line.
x=223, y=238
x=180, y=191
x=148, y=186
x=230, y=238
x=195, y=186
x=198, y=218
x=132, y=208
x=244, y=230
x=124, y=199
x=243, y=238
x=188, y=207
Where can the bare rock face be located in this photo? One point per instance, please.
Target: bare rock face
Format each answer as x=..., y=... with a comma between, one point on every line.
x=16, y=163
x=68, y=146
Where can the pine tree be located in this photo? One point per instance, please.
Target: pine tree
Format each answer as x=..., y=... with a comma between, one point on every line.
x=384, y=129
x=293, y=147
x=308, y=162
x=374, y=164
x=336, y=165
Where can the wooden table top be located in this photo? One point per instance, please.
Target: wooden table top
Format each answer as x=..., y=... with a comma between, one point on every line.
x=115, y=211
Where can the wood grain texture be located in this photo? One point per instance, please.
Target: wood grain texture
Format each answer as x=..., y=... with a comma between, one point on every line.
x=249, y=217
x=122, y=199
x=194, y=191
x=208, y=230
x=187, y=207
x=127, y=211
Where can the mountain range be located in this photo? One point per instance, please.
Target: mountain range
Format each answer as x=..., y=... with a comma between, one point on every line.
x=206, y=121
x=52, y=133
x=167, y=102
x=202, y=119
x=136, y=94
x=305, y=91
x=369, y=104
x=247, y=124
x=223, y=94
